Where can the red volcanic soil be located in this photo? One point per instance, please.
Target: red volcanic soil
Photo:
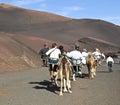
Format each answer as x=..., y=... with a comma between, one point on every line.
x=19, y=52
x=105, y=47
x=16, y=56
x=36, y=43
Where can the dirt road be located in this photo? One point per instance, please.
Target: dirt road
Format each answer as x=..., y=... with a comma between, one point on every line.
x=33, y=87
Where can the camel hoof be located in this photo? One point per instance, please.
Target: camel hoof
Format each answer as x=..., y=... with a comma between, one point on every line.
x=61, y=94
x=74, y=79
x=70, y=91
x=92, y=78
x=65, y=91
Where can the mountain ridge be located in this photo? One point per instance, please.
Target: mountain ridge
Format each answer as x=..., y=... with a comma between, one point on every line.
x=24, y=21
x=24, y=30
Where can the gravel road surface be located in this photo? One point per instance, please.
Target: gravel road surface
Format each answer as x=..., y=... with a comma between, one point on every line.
x=33, y=87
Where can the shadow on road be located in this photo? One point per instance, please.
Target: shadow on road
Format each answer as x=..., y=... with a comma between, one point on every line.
x=47, y=85
x=84, y=75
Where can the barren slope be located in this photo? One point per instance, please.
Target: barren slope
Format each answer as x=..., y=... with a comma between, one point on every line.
x=54, y=27
x=16, y=56
x=23, y=30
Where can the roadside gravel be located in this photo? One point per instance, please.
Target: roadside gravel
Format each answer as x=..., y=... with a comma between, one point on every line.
x=33, y=87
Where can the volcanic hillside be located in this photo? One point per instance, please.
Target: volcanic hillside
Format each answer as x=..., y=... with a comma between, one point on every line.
x=16, y=56
x=23, y=33
x=54, y=27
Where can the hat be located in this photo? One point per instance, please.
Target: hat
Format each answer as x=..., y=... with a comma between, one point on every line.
x=45, y=45
x=84, y=49
x=97, y=49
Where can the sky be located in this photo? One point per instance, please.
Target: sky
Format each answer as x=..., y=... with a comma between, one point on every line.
x=107, y=10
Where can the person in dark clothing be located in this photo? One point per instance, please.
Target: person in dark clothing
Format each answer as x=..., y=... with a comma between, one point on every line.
x=43, y=55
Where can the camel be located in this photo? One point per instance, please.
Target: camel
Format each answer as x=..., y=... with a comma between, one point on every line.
x=91, y=65
x=65, y=69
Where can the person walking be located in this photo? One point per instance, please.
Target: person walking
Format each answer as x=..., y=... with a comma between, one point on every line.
x=110, y=62
x=54, y=54
x=43, y=55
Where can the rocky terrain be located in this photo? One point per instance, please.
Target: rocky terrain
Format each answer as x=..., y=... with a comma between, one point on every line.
x=23, y=33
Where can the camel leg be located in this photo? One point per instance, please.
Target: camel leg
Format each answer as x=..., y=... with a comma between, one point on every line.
x=61, y=83
x=89, y=73
x=94, y=73
x=68, y=82
x=55, y=75
x=64, y=83
x=51, y=76
x=74, y=77
x=72, y=72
